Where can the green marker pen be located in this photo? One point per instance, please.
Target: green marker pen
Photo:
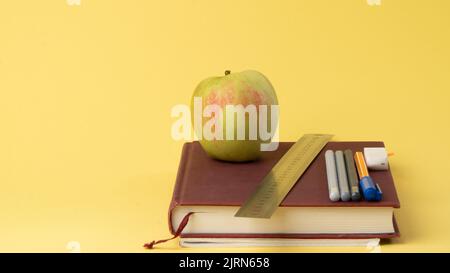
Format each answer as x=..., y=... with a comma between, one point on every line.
x=352, y=176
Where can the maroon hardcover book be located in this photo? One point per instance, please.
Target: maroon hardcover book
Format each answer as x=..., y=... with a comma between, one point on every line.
x=203, y=181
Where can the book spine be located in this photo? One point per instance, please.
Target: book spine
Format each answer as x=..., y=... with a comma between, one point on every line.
x=179, y=183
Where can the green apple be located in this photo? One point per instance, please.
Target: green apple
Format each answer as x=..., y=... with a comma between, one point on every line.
x=237, y=89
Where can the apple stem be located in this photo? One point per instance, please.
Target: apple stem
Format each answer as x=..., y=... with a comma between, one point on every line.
x=227, y=72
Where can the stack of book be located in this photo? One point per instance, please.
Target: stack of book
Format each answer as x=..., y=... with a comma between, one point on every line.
x=209, y=192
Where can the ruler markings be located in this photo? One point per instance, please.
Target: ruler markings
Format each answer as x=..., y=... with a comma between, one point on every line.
x=283, y=176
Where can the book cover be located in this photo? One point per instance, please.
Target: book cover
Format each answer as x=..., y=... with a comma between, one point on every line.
x=203, y=181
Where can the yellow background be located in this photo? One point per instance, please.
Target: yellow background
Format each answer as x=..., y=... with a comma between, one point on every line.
x=86, y=91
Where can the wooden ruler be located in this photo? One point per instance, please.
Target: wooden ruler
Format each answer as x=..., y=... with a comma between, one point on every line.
x=283, y=176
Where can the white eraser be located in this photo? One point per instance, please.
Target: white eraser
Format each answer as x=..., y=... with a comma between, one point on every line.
x=376, y=158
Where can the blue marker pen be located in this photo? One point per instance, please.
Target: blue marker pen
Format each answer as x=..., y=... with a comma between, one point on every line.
x=370, y=191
